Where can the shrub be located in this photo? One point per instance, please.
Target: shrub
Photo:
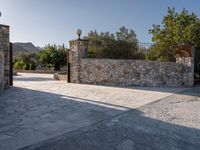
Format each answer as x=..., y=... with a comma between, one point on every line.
x=25, y=61
x=32, y=66
x=19, y=65
x=26, y=66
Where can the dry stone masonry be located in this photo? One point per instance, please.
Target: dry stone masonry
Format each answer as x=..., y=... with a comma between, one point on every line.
x=4, y=57
x=78, y=50
x=185, y=55
x=131, y=72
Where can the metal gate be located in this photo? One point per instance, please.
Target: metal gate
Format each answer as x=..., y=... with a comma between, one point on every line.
x=197, y=66
x=68, y=65
x=11, y=63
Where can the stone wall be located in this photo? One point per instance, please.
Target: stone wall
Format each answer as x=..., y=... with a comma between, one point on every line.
x=131, y=72
x=4, y=57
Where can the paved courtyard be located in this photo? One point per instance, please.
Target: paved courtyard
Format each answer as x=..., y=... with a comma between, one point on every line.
x=38, y=109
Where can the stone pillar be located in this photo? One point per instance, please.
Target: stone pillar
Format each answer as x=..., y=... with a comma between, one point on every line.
x=185, y=55
x=78, y=50
x=4, y=57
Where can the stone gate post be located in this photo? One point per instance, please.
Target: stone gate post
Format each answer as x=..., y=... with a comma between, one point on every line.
x=185, y=55
x=78, y=50
x=4, y=57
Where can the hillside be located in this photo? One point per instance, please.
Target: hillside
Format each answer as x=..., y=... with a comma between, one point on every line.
x=24, y=47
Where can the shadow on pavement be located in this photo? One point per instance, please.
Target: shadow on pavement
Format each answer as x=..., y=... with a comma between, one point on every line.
x=45, y=121
x=129, y=131
x=30, y=116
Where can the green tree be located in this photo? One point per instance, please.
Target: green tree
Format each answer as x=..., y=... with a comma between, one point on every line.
x=123, y=34
x=53, y=56
x=127, y=35
x=122, y=44
x=176, y=29
x=103, y=36
x=25, y=60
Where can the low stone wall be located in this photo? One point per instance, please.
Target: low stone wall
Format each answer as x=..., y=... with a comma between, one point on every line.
x=58, y=76
x=131, y=73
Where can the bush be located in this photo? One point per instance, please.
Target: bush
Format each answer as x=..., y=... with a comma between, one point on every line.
x=25, y=61
x=140, y=55
x=32, y=66
x=26, y=67
x=19, y=65
x=156, y=54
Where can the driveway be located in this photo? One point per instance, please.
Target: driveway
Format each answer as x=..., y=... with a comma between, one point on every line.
x=38, y=109
x=172, y=123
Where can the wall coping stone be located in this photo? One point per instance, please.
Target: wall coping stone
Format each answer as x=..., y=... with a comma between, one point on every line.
x=2, y=25
x=147, y=61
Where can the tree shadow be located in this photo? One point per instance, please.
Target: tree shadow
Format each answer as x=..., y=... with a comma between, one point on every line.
x=46, y=121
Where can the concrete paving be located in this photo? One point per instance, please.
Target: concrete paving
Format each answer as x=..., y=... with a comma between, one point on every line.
x=172, y=123
x=37, y=108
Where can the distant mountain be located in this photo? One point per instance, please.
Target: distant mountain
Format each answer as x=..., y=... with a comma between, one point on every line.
x=25, y=47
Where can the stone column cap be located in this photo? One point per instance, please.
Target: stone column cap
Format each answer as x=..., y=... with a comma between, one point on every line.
x=3, y=25
x=184, y=51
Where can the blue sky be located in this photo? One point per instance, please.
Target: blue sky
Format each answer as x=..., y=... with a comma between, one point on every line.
x=56, y=21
